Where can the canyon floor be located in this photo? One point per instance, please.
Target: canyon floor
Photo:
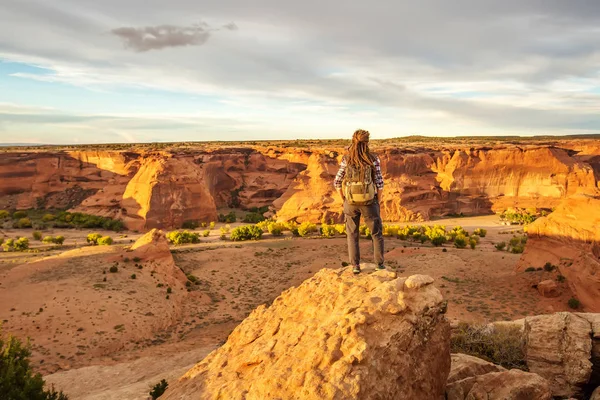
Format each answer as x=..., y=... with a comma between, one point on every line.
x=101, y=335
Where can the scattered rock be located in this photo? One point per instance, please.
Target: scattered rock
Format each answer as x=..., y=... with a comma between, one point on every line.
x=507, y=385
x=466, y=366
x=336, y=336
x=548, y=288
x=558, y=348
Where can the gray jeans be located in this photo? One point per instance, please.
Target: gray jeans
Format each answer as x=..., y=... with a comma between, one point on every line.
x=372, y=218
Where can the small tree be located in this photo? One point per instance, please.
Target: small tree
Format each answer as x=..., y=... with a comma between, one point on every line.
x=19, y=214
x=21, y=244
x=24, y=223
x=17, y=380
x=37, y=235
x=105, y=241
x=480, y=232
x=246, y=232
x=460, y=242
x=500, y=246
x=92, y=238
x=158, y=389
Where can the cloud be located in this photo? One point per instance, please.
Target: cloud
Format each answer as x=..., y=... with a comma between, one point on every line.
x=163, y=36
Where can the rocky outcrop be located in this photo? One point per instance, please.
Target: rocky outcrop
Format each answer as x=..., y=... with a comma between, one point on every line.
x=508, y=385
x=570, y=239
x=466, y=366
x=153, y=246
x=336, y=336
x=548, y=288
x=558, y=348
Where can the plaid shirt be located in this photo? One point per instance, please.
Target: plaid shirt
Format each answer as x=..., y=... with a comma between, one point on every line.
x=339, y=178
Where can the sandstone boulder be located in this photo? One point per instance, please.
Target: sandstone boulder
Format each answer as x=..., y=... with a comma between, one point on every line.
x=466, y=366
x=336, y=336
x=154, y=246
x=558, y=348
x=548, y=288
x=508, y=385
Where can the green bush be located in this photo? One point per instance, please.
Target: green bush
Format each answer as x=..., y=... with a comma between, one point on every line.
x=24, y=223
x=514, y=241
x=548, y=267
x=228, y=218
x=246, y=232
x=37, y=235
x=48, y=217
x=306, y=228
x=574, y=303
x=503, y=345
x=480, y=232
x=114, y=269
x=20, y=214
x=190, y=225
x=105, y=241
x=253, y=218
x=530, y=269
x=460, y=242
x=81, y=220
x=21, y=244
x=56, y=240
x=517, y=249
x=92, y=238
x=327, y=230
x=4, y=214
x=438, y=240
x=275, y=228
x=206, y=233
x=561, y=278
x=292, y=227
x=211, y=225
x=133, y=276
x=472, y=243
x=158, y=389
x=10, y=242
x=340, y=228
x=17, y=379
x=182, y=237
x=362, y=229
x=500, y=246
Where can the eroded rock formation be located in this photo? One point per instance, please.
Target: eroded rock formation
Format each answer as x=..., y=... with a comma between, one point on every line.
x=336, y=336
x=162, y=189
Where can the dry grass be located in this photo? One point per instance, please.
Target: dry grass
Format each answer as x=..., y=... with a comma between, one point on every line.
x=502, y=345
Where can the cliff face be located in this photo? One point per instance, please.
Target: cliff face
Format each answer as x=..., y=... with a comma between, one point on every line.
x=570, y=239
x=163, y=189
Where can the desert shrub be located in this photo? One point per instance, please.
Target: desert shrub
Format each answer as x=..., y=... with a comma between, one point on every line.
x=503, y=345
x=114, y=269
x=292, y=227
x=212, y=225
x=133, y=276
x=459, y=230
x=92, y=238
x=438, y=240
x=190, y=224
x=169, y=290
x=344, y=264
x=327, y=230
x=517, y=249
x=206, y=233
x=19, y=214
x=275, y=228
x=10, y=242
x=416, y=236
x=253, y=218
x=362, y=229
x=224, y=232
x=228, y=218
x=472, y=243
x=548, y=267
x=105, y=241
x=136, y=259
x=514, y=241
x=340, y=228
x=37, y=235
x=17, y=379
x=574, y=303
x=390, y=230
x=519, y=216
x=530, y=269
x=21, y=244
x=500, y=246
x=182, y=237
x=4, y=214
x=1, y=240
x=192, y=278
x=48, y=217
x=368, y=233
x=81, y=220
x=460, y=242
x=480, y=232
x=306, y=228
x=24, y=223
x=55, y=239
x=246, y=232
x=158, y=389
x=561, y=278
x=264, y=224
x=475, y=238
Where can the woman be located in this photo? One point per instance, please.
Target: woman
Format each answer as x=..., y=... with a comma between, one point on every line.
x=359, y=182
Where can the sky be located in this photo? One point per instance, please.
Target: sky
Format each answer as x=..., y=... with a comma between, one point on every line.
x=90, y=71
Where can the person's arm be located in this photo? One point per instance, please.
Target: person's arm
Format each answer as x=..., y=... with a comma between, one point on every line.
x=378, y=177
x=339, y=178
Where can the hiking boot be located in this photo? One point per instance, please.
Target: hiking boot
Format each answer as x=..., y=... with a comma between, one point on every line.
x=356, y=270
x=381, y=266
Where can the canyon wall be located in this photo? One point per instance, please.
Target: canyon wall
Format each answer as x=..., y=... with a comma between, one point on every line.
x=162, y=189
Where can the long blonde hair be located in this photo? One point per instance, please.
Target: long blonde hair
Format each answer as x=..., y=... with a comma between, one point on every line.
x=358, y=152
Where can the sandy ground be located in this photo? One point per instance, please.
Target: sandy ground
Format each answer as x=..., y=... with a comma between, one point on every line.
x=113, y=339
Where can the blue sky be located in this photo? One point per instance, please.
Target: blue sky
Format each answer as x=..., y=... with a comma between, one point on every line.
x=82, y=71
